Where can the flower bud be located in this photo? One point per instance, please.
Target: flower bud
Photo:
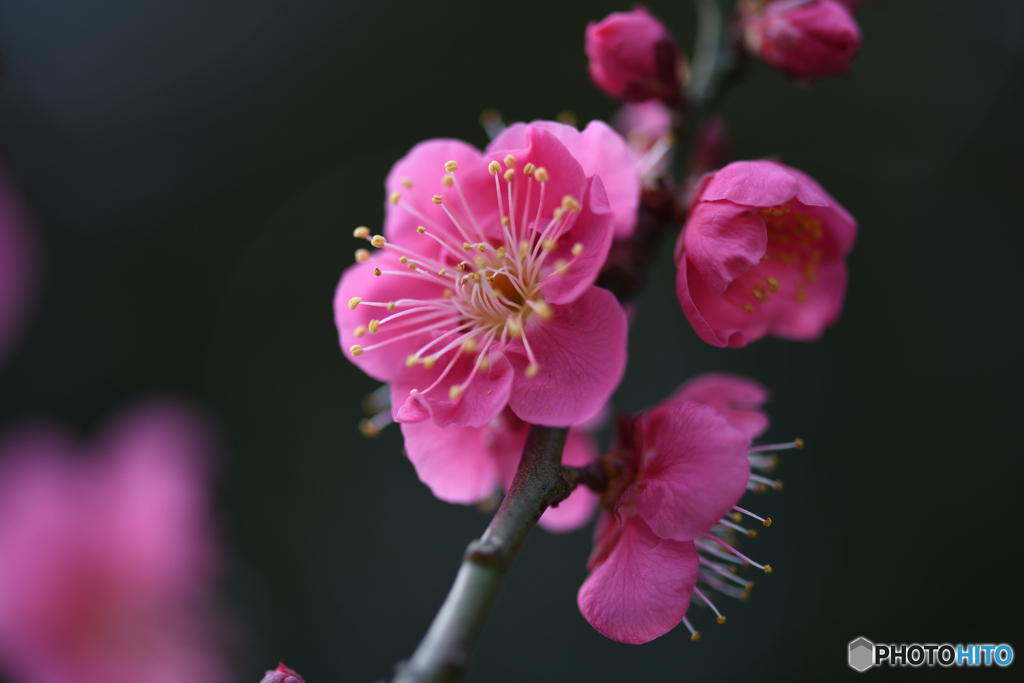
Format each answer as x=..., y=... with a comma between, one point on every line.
x=283, y=674
x=802, y=38
x=633, y=57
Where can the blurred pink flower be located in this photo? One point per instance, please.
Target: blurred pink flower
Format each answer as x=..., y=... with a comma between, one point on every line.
x=633, y=57
x=471, y=306
x=16, y=265
x=680, y=468
x=107, y=553
x=647, y=127
x=283, y=674
x=762, y=252
x=467, y=464
x=802, y=38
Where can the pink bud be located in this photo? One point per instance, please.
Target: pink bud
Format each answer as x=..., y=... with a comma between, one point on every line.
x=283, y=674
x=633, y=57
x=803, y=38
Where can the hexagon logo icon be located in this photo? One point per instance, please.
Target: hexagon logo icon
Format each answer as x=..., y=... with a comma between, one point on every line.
x=862, y=654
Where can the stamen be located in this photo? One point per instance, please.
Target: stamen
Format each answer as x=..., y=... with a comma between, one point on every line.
x=746, y=560
x=795, y=443
x=694, y=633
x=378, y=241
x=353, y=302
x=767, y=521
x=362, y=255
x=774, y=483
x=700, y=594
x=362, y=232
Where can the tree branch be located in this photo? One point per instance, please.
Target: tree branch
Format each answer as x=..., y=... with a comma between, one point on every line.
x=443, y=654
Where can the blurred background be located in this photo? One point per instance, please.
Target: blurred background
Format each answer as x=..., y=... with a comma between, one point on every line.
x=193, y=170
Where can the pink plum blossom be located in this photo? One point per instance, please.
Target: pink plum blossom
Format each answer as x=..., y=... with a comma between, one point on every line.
x=15, y=265
x=738, y=399
x=633, y=57
x=677, y=475
x=107, y=553
x=481, y=294
x=283, y=674
x=647, y=127
x=467, y=464
x=762, y=252
x=802, y=38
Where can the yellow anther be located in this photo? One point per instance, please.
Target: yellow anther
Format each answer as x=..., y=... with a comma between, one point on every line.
x=767, y=521
x=464, y=280
x=548, y=244
x=721, y=619
x=524, y=248
x=799, y=443
x=513, y=328
x=485, y=363
x=569, y=203
x=504, y=221
x=748, y=308
x=509, y=175
x=437, y=199
x=543, y=310
x=442, y=271
x=541, y=174
x=356, y=350
x=447, y=293
x=374, y=326
x=466, y=246
x=695, y=636
x=377, y=272
x=362, y=232
x=428, y=362
x=767, y=569
x=567, y=117
x=378, y=241
x=759, y=292
x=577, y=249
x=494, y=168
x=421, y=229
x=368, y=428
x=777, y=485
x=737, y=517
x=481, y=247
x=560, y=265
x=411, y=361
x=362, y=255
x=479, y=260
x=395, y=196
x=558, y=213
x=529, y=169
x=501, y=252
x=353, y=302
x=532, y=369
x=359, y=331
x=448, y=181
x=751, y=533
x=451, y=166
x=455, y=393
x=403, y=259
x=412, y=391
x=510, y=161
x=469, y=346
x=391, y=305
x=773, y=284
x=412, y=266
x=406, y=183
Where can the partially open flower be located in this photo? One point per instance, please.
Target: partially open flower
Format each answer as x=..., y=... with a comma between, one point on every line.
x=481, y=292
x=762, y=252
x=633, y=57
x=802, y=38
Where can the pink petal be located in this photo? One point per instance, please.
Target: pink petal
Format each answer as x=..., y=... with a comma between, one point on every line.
x=737, y=398
x=713, y=319
x=722, y=241
x=581, y=351
x=478, y=404
x=695, y=470
x=578, y=508
x=761, y=184
x=453, y=461
x=424, y=167
x=642, y=589
x=593, y=230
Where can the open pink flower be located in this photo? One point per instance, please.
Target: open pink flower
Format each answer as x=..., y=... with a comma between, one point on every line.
x=802, y=38
x=467, y=464
x=633, y=57
x=107, y=554
x=762, y=252
x=678, y=475
x=482, y=293
x=15, y=265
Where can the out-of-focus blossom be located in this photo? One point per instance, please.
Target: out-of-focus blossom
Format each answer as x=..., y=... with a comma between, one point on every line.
x=107, y=554
x=647, y=127
x=482, y=293
x=283, y=674
x=15, y=265
x=806, y=39
x=633, y=57
x=467, y=464
x=763, y=252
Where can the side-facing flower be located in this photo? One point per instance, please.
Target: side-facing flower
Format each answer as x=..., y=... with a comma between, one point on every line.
x=762, y=252
x=633, y=57
x=107, y=554
x=481, y=294
x=467, y=464
x=15, y=265
x=674, y=477
x=802, y=38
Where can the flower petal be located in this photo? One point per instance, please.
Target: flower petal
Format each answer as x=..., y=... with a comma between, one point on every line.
x=695, y=469
x=481, y=400
x=581, y=352
x=761, y=184
x=642, y=589
x=453, y=461
x=723, y=240
x=737, y=398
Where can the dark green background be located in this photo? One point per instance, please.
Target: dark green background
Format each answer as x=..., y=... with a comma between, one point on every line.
x=196, y=167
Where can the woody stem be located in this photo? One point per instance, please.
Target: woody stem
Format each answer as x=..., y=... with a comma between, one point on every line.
x=443, y=654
